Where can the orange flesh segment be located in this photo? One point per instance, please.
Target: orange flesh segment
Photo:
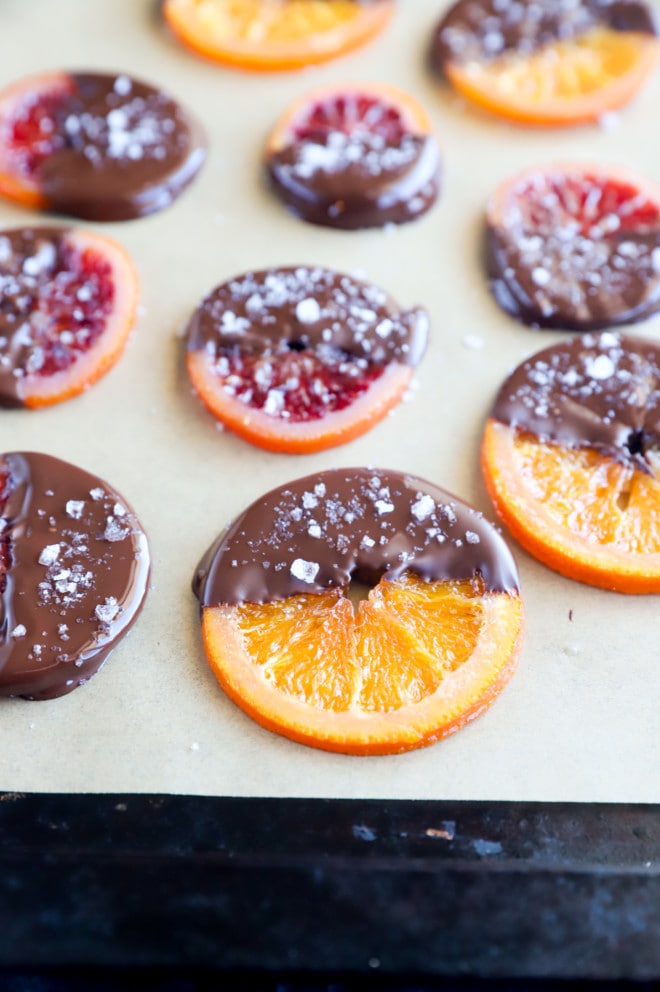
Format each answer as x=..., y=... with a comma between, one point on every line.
x=417, y=662
x=413, y=114
x=567, y=82
x=90, y=366
x=301, y=437
x=274, y=34
x=579, y=512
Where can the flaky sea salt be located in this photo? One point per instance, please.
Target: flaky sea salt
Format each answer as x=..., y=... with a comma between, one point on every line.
x=19, y=630
x=108, y=610
x=423, y=507
x=306, y=571
x=74, y=508
x=49, y=555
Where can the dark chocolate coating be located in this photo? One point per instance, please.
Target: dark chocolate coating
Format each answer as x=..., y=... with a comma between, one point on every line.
x=483, y=30
x=558, y=271
x=123, y=149
x=346, y=182
x=592, y=391
x=19, y=295
x=318, y=532
x=272, y=310
x=77, y=568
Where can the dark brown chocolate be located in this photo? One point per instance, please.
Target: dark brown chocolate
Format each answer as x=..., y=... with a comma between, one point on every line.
x=74, y=568
x=121, y=149
x=484, y=30
x=274, y=310
x=593, y=391
x=556, y=258
x=357, y=181
x=320, y=531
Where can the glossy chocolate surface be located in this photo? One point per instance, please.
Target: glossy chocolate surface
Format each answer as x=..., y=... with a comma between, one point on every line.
x=319, y=531
x=274, y=310
x=552, y=267
x=121, y=149
x=484, y=30
x=595, y=391
x=358, y=180
x=74, y=567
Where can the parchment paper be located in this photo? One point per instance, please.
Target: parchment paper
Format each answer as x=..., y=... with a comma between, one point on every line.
x=579, y=719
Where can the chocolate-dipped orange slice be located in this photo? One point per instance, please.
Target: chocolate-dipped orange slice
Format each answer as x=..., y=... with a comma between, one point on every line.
x=575, y=246
x=355, y=156
x=547, y=62
x=74, y=568
x=95, y=145
x=570, y=458
x=68, y=299
x=302, y=359
x=429, y=650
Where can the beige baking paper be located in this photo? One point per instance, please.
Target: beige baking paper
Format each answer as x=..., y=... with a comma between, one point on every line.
x=579, y=721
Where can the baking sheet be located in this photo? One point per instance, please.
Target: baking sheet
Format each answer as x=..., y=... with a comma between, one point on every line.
x=578, y=721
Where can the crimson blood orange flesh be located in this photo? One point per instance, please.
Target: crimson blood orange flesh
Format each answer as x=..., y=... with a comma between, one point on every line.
x=93, y=145
x=575, y=246
x=355, y=157
x=68, y=303
x=295, y=357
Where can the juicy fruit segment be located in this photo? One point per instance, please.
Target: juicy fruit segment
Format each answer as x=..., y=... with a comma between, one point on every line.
x=29, y=133
x=350, y=112
x=566, y=82
x=581, y=513
x=417, y=662
x=596, y=201
x=274, y=34
x=302, y=423
x=309, y=384
x=81, y=294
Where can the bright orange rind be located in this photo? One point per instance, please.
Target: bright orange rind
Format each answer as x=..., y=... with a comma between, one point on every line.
x=273, y=35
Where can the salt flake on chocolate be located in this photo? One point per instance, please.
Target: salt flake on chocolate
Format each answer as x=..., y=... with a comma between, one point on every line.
x=305, y=571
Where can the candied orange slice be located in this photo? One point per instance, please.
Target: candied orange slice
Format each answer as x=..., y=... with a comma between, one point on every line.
x=566, y=82
x=82, y=289
x=578, y=511
x=275, y=34
x=417, y=661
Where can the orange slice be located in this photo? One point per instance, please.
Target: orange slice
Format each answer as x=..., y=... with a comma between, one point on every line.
x=570, y=460
x=428, y=650
x=568, y=82
x=275, y=34
x=417, y=662
x=302, y=359
x=83, y=292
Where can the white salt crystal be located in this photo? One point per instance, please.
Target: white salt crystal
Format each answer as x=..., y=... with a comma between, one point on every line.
x=49, y=555
x=306, y=571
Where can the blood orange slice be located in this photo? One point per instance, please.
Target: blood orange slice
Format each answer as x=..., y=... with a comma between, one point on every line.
x=570, y=458
x=93, y=145
x=355, y=156
x=68, y=304
x=545, y=62
x=275, y=34
x=302, y=359
x=575, y=246
x=428, y=651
